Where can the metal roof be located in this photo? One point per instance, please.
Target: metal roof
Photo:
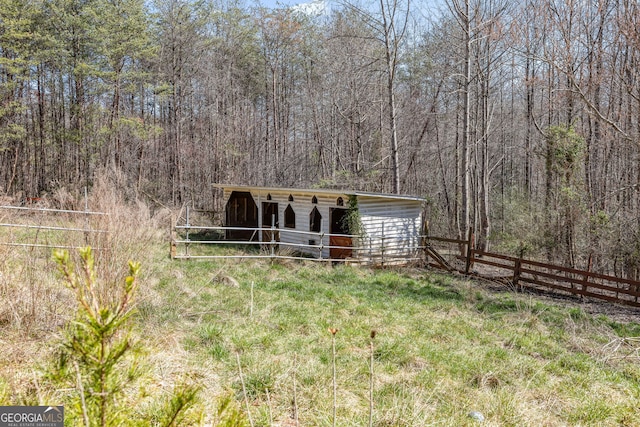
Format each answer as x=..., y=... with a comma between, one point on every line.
x=319, y=191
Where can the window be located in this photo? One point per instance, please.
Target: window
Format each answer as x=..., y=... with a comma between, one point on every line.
x=340, y=201
x=269, y=196
x=315, y=220
x=314, y=200
x=290, y=198
x=289, y=217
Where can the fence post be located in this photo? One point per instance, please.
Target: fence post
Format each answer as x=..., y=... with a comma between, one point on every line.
x=273, y=236
x=425, y=241
x=172, y=240
x=382, y=245
x=516, y=273
x=425, y=244
x=86, y=217
x=186, y=246
x=585, y=278
x=470, y=245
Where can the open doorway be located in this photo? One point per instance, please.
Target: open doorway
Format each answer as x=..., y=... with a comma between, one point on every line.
x=269, y=219
x=241, y=211
x=340, y=238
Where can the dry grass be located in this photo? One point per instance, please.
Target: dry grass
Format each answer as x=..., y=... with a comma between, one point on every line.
x=34, y=303
x=31, y=298
x=444, y=347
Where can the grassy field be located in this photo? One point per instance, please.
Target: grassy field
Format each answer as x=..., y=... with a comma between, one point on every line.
x=443, y=348
x=255, y=339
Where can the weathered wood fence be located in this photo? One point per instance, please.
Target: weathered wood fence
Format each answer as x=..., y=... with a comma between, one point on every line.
x=522, y=273
x=438, y=252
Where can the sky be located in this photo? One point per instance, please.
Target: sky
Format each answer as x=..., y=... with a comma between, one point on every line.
x=278, y=3
x=308, y=7
x=424, y=9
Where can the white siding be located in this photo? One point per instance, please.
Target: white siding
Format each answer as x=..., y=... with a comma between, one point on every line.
x=302, y=235
x=399, y=221
x=302, y=206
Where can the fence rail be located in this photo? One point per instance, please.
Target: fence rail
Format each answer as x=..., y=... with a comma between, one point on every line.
x=439, y=252
x=522, y=273
x=57, y=211
x=43, y=222
x=284, y=243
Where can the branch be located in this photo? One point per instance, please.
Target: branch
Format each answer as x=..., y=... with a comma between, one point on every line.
x=584, y=98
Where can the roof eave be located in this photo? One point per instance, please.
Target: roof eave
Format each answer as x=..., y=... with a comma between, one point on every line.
x=319, y=191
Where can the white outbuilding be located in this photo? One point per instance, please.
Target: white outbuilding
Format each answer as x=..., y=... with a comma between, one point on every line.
x=327, y=224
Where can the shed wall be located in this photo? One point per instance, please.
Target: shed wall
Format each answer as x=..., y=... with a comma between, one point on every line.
x=302, y=206
x=399, y=221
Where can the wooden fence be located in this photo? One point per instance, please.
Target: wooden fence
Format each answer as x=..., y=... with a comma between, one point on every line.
x=535, y=275
x=438, y=252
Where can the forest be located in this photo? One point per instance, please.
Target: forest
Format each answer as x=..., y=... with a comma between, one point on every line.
x=518, y=120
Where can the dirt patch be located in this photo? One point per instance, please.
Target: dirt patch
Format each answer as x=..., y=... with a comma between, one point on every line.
x=594, y=307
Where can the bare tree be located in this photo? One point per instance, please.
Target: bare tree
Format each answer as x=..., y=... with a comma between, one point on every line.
x=391, y=25
x=394, y=26
x=462, y=13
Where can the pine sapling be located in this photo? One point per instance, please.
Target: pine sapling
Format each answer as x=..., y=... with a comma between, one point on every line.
x=97, y=355
x=99, y=338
